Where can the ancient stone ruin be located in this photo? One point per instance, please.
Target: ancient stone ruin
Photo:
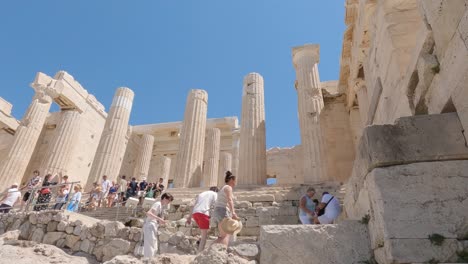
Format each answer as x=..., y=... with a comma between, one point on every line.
x=388, y=139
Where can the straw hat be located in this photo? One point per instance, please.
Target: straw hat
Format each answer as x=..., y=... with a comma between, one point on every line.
x=231, y=226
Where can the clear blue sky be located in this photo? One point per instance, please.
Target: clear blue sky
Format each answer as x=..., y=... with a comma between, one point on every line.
x=161, y=49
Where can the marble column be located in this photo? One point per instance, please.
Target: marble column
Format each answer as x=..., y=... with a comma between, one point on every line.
x=252, y=150
x=163, y=166
x=114, y=138
x=189, y=159
x=225, y=164
x=16, y=161
x=143, y=160
x=363, y=99
x=61, y=149
x=211, y=162
x=310, y=104
x=235, y=151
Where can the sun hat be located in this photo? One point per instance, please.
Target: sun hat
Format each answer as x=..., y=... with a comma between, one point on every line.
x=231, y=226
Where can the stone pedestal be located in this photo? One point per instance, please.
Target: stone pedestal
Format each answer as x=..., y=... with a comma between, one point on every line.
x=235, y=151
x=225, y=164
x=61, y=148
x=252, y=150
x=189, y=159
x=114, y=139
x=310, y=104
x=144, y=157
x=211, y=163
x=25, y=140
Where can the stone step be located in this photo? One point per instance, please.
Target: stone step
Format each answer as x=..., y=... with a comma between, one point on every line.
x=347, y=242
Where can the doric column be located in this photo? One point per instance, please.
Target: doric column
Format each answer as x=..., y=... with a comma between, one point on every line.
x=235, y=151
x=143, y=160
x=211, y=162
x=189, y=160
x=162, y=168
x=252, y=150
x=363, y=99
x=225, y=164
x=15, y=163
x=310, y=104
x=61, y=148
x=114, y=138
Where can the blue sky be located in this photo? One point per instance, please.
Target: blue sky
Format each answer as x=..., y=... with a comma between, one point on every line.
x=162, y=49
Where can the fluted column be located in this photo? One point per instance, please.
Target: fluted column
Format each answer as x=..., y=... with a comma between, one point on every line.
x=61, y=148
x=15, y=163
x=162, y=170
x=143, y=160
x=252, y=150
x=211, y=163
x=189, y=159
x=114, y=138
x=310, y=104
x=225, y=164
x=235, y=151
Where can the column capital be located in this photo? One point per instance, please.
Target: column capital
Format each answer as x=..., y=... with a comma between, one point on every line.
x=310, y=52
x=199, y=94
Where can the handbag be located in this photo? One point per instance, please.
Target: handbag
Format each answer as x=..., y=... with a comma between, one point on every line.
x=322, y=211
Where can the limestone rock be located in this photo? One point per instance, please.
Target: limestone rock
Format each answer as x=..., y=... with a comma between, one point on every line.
x=61, y=225
x=69, y=229
x=312, y=243
x=24, y=230
x=176, y=238
x=52, y=237
x=247, y=251
x=37, y=235
x=115, y=247
x=70, y=240
x=164, y=236
x=216, y=254
x=11, y=235
x=111, y=228
x=98, y=230
x=77, y=230
x=52, y=226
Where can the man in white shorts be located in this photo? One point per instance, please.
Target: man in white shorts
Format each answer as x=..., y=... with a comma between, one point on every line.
x=332, y=209
x=105, y=187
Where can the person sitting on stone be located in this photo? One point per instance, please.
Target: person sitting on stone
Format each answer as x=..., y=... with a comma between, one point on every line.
x=331, y=208
x=150, y=227
x=10, y=198
x=61, y=198
x=224, y=207
x=307, y=207
x=201, y=213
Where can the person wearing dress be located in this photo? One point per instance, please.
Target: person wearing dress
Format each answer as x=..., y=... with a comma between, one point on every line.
x=74, y=204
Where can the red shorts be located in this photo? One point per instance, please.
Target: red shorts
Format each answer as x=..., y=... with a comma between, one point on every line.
x=203, y=221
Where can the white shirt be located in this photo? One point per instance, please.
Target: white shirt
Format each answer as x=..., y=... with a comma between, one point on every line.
x=123, y=185
x=204, y=202
x=106, y=186
x=12, y=197
x=157, y=210
x=62, y=199
x=333, y=209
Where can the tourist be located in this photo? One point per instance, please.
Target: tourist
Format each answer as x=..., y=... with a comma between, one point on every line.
x=143, y=184
x=159, y=187
x=112, y=194
x=94, y=197
x=33, y=183
x=123, y=184
x=64, y=180
x=105, y=188
x=330, y=206
x=61, y=198
x=307, y=207
x=201, y=213
x=44, y=194
x=10, y=198
x=149, y=192
x=224, y=207
x=133, y=187
x=153, y=220
x=74, y=204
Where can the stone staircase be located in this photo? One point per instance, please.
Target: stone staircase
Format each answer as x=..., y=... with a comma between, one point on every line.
x=113, y=213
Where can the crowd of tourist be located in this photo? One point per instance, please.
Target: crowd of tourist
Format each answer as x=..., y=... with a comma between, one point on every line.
x=212, y=208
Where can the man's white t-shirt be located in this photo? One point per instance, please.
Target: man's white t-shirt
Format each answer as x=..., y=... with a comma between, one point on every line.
x=333, y=209
x=123, y=185
x=106, y=186
x=12, y=197
x=204, y=202
x=157, y=210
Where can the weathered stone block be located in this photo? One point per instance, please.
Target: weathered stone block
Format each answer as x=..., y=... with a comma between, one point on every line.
x=70, y=240
x=312, y=244
x=250, y=231
x=52, y=237
x=256, y=198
